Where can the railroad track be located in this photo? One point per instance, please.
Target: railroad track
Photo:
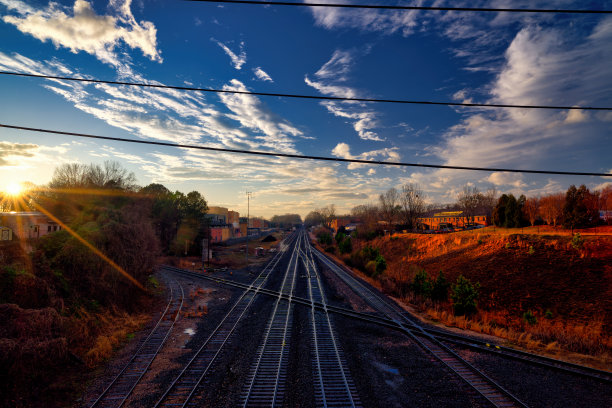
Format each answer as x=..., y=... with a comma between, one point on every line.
x=456, y=339
x=182, y=391
x=334, y=386
x=479, y=381
x=266, y=383
x=117, y=392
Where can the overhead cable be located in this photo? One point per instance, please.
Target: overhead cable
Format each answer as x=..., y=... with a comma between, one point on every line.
x=418, y=8
x=315, y=97
x=300, y=156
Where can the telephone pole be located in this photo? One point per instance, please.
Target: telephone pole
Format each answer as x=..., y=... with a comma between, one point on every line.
x=248, y=193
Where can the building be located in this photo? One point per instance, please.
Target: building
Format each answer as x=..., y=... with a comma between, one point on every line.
x=220, y=233
x=451, y=219
x=340, y=222
x=31, y=224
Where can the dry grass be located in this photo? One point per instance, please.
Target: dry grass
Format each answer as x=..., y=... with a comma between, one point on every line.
x=553, y=337
x=101, y=333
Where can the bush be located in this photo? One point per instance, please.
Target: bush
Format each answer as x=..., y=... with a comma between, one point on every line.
x=548, y=314
x=345, y=246
x=439, y=290
x=529, y=317
x=531, y=250
x=421, y=285
x=381, y=264
x=340, y=237
x=507, y=245
x=465, y=296
x=330, y=249
x=577, y=241
x=324, y=238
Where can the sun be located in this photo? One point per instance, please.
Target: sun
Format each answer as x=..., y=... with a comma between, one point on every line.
x=13, y=189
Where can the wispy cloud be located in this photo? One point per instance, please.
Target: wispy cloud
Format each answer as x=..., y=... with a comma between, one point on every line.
x=82, y=29
x=262, y=75
x=541, y=66
x=238, y=60
x=363, y=120
x=343, y=150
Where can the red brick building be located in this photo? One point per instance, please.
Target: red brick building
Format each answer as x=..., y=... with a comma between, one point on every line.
x=452, y=219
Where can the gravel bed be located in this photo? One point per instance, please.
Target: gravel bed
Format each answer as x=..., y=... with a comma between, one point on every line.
x=540, y=386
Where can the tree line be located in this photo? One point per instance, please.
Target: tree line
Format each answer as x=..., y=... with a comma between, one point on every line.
x=401, y=208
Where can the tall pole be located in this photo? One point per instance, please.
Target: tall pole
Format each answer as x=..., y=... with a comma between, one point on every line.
x=247, y=228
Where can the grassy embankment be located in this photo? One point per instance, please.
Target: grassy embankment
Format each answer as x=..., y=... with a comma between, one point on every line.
x=537, y=291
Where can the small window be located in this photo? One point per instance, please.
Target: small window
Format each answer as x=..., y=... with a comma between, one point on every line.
x=48, y=228
x=55, y=228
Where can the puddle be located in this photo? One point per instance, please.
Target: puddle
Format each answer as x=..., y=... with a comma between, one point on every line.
x=387, y=368
x=189, y=331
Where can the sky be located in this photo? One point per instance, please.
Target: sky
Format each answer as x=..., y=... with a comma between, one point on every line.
x=503, y=58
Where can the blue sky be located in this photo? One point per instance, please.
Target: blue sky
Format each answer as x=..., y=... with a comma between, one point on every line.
x=505, y=58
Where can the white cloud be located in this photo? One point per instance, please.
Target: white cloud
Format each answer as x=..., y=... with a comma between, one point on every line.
x=343, y=150
x=385, y=21
x=238, y=60
x=363, y=120
x=252, y=114
x=262, y=75
x=82, y=29
x=507, y=179
x=337, y=67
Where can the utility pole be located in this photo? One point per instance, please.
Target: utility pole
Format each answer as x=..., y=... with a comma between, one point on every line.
x=248, y=193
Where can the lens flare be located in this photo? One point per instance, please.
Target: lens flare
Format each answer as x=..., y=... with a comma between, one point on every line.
x=13, y=189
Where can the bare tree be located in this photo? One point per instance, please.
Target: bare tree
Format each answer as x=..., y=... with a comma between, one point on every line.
x=551, y=208
x=532, y=209
x=367, y=214
x=469, y=200
x=412, y=202
x=389, y=205
x=488, y=201
x=328, y=214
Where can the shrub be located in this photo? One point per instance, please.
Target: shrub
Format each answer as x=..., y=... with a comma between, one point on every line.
x=346, y=246
x=324, y=238
x=330, y=249
x=340, y=237
x=480, y=242
x=548, y=314
x=439, y=290
x=371, y=268
x=529, y=317
x=381, y=264
x=531, y=250
x=507, y=245
x=421, y=285
x=465, y=296
x=577, y=241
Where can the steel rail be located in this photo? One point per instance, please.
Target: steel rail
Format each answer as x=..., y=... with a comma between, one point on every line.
x=461, y=340
x=479, y=381
x=335, y=387
x=183, y=388
x=118, y=391
x=266, y=382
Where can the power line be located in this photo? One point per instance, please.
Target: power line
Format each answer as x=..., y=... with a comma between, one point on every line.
x=298, y=96
x=419, y=8
x=300, y=156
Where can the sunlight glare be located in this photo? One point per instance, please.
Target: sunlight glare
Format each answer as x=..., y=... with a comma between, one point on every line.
x=13, y=189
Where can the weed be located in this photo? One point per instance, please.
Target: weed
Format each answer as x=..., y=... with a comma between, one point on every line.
x=529, y=317
x=130, y=336
x=531, y=250
x=548, y=314
x=577, y=241
x=507, y=245
x=479, y=242
x=153, y=282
